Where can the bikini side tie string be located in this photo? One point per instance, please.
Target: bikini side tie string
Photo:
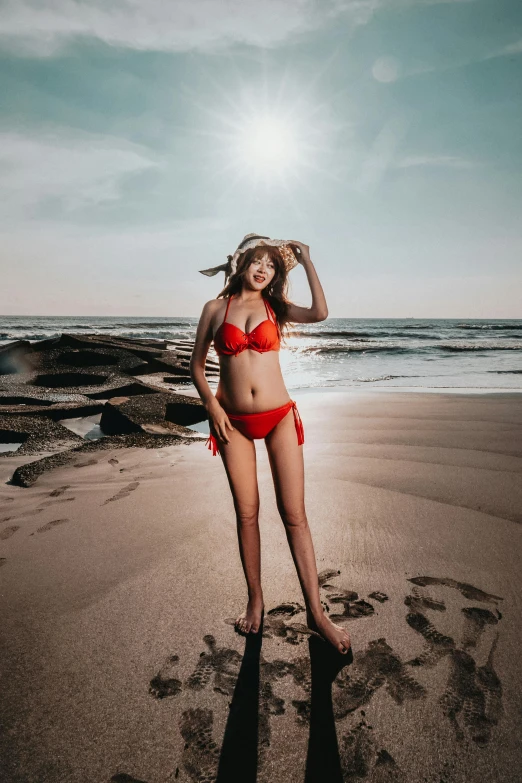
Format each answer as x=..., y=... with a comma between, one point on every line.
x=212, y=444
x=298, y=425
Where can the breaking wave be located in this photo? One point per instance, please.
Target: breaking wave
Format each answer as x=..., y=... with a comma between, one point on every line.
x=455, y=347
x=332, y=349
x=493, y=327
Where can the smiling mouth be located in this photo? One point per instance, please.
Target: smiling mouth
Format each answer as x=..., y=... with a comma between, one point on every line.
x=259, y=278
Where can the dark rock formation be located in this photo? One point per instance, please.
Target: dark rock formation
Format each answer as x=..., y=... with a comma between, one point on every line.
x=125, y=380
x=36, y=434
x=148, y=413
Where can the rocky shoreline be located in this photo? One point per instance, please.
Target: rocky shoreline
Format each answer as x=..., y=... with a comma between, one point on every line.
x=127, y=381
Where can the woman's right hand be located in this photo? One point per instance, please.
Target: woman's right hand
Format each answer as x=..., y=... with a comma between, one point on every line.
x=304, y=255
x=219, y=421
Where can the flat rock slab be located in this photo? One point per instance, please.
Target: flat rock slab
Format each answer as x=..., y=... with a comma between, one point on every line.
x=164, y=409
x=36, y=434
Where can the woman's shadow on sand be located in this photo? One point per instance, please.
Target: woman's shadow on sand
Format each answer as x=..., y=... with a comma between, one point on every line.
x=239, y=752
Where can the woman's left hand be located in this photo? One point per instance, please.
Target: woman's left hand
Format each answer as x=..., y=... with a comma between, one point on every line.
x=304, y=255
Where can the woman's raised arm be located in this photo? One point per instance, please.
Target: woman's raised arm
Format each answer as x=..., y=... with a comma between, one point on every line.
x=319, y=309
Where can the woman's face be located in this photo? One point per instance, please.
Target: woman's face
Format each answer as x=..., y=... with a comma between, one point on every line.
x=260, y=273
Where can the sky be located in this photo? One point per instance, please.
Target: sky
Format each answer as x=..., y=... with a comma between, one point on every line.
x=140, y=140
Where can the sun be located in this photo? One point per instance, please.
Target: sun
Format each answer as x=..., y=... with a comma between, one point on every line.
x=267, y=145
x=261, y=132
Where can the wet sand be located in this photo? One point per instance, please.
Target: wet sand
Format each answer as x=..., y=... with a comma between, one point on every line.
x=121, y=577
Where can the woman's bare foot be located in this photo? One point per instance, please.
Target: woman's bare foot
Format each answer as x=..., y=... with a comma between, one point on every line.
x=250, y=620
x=335, y=634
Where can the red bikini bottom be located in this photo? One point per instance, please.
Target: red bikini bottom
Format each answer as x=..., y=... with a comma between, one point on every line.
x=259, y=425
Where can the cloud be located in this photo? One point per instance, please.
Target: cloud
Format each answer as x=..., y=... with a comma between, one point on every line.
x=445, y=161
x=71, y=169
x=30, y=27
x=506, y=51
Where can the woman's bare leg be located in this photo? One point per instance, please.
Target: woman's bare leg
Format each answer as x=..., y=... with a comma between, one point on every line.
x=239, y=459
x=286, y=462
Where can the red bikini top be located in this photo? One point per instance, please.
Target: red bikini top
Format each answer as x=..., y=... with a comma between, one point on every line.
x=230, y=340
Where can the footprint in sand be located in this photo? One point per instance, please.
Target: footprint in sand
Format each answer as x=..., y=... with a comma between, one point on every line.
x=164, y=684
x=353, y=605
x=7, y=532
x=113, y=461
x=361, y=757
x=417, y=602
x=201, y=752
x=467, y=590
x=218, y=668
x=376, y=667
x=123, y=492
x=217, y=664
x=55, y=493
x=475, y=620
x=378, y=596
x=50, y=525
x=130, y=467
x=58, y=491
x=472, y=700
x=438, y=644
x=472, y=697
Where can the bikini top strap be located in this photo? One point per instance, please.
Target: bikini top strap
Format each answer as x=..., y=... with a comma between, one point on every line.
x=269, y=311
x=228, y=305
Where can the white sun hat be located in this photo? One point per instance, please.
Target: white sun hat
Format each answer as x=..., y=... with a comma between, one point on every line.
x=249, y=241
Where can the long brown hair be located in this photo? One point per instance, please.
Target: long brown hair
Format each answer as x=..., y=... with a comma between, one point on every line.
x=275, y=292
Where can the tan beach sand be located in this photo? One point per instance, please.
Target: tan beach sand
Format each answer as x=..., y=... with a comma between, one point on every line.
x=123, y=570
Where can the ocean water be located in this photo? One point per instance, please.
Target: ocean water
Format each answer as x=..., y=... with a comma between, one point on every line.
x=389, y=353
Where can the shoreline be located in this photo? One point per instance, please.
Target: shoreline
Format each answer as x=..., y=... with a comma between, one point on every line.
x=392, y=389
x=347, y=352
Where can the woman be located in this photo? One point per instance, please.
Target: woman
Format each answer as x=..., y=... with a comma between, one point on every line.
x=251, y=401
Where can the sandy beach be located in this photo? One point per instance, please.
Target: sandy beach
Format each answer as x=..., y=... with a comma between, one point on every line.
x=121, y=578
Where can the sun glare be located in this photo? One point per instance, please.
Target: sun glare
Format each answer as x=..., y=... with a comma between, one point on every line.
x=265, y=134
x=268, y=145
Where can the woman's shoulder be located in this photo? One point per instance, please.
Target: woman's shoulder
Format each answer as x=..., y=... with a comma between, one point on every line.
x=213, y=304
x=213, y=308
